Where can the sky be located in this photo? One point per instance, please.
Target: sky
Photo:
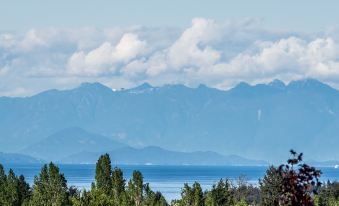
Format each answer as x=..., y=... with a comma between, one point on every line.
x=59, y=44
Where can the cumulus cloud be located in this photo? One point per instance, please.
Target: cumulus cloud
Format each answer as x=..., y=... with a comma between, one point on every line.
x=106, y=57
x=294, y=56
x=192, y=46
x=218, y=54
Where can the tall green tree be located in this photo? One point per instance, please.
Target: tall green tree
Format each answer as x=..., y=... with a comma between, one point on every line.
x=50, y=187
x=118, y=187
x=221, y=194
x=24, y=190
x=135, y=187
x=271, y=187
x=192, y=196
x=153, y=198
x=103, y=173
x=12, y=189
x=3, y=182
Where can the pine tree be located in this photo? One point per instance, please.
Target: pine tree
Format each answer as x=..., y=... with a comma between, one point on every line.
x=153, y=198
x=12, y=192
x=198, y=196
x=192, y=196
x=118, y=186
x=221, y=194
x=103, y=173
x=24, y=189
x=271, y=187
x=135, y=187
x=3, y=180
x=50, y=187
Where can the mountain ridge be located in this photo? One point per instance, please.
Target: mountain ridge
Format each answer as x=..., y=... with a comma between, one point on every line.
x=247, y=120
x=69, y=141
x=152, y=155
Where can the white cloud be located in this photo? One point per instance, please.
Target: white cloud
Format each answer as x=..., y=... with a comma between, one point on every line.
x=128, y=48
x=32, y=40
x=316, y=59
x=192, y=47
x=106, y=57
x=218, y=54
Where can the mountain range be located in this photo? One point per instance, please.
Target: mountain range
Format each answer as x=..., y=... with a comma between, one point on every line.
x=260, y=121
x=77, y=146
x=158, y=156
x=12, y=158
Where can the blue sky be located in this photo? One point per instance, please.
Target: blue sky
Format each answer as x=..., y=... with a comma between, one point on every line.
x=59, y=44
x=302, y=15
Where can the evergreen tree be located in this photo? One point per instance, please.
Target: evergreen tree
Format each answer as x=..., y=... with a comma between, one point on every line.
x=12, y=189
x=186, y=196
x=271, y=187
x=50, y=187
x=103, y=173
x=221, y=194
x=192, y=196
x=118, y=182
x=245, y=192
x=99, y=198
x=24, y=190
x=135, y=188
x=329, y=194
x=153, y=198
x=198, y=195
x=3, y=182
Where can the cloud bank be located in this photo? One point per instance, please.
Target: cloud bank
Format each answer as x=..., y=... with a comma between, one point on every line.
x=218, y=54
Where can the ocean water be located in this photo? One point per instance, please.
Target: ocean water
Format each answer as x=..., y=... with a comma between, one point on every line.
x=167, y=179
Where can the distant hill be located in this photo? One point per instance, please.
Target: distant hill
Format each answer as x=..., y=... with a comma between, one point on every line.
x=261, y=121
x=11, y=158
x=70, y=141
x=158, y=156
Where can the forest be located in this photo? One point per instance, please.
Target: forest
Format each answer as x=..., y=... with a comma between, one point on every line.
x=291, y=184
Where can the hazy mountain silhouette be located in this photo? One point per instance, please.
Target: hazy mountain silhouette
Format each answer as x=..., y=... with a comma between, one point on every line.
x=70, y=141
x=12, y=158
x=158, y=156
x=259, y=122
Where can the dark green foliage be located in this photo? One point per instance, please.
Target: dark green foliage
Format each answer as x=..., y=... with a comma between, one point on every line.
x=191, y=196
x=153, y=198
x=246, y=193
x=135, y=187
x=23, y=189
x=83, y=199
x=221, y=194
x=271, y=187
x=3, y=183
x=329, y=194
x=118, y=187
x=103, y=173
x=50, y=187
x=14, y=191
x=116, y=194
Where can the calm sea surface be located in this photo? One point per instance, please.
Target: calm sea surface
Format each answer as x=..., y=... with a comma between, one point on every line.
x=166, y=179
